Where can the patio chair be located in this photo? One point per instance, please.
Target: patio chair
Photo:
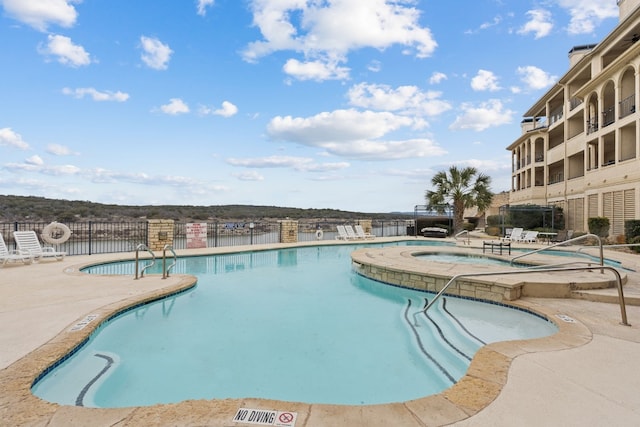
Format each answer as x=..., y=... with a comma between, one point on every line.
x=342, y=233
x=7, y=255
x=362, y=234
x=529, y=236
x=27, y=242
x=350, y=232
x=515, y=236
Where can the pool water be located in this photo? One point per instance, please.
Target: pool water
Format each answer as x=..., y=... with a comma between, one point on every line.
x=292, y=324
x=465, y=259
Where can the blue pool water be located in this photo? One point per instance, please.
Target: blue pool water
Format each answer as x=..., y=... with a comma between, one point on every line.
x=292, y=324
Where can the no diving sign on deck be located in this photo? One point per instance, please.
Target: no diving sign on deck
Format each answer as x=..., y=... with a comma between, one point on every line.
x=266, y=417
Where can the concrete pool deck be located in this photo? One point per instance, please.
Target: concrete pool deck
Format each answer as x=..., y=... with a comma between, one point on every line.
x=584, y=375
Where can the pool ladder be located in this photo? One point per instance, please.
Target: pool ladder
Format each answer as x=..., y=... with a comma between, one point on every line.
x=143, y=247
x=165, y=269
x=550, y=269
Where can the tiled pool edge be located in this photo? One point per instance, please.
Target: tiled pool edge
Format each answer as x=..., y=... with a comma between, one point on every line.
x=483, y=382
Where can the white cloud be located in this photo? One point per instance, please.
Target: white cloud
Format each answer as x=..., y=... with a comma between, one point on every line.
x=36, y=164
x=535, y=78
x=353, y=134
x=328, y=31
x=404, y=99
x=174, y=107
x=34, y=160
x=66, y=52
x=485, y=80
x=227, y=110
x=59, y=150
x=39, y=14
x=248, y=176
x=540, y=23
x=437, y=77
x=95, y=94
x=155, y=53
x=487, y=114
x=202, y=6
x=315, y=70
x=587, y=14
x=12, y=139
x=297, y=163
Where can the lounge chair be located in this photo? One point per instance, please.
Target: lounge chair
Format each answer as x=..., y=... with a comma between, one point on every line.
x=28, y=242
x=350, y=232
x=515, y=236
x=529, y=237
x=7, y=255
x=342, y=233
x=362, y=234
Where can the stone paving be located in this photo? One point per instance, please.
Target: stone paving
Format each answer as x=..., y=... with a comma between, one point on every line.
x=584, y=375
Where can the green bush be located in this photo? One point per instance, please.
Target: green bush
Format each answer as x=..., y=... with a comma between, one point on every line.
x=494, y=219
x=631, y=229
x=468, y=226
x=492, y=230
x=599, y=225
x=635, y=240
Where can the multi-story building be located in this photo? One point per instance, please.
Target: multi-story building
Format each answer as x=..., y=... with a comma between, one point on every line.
x=580, y=142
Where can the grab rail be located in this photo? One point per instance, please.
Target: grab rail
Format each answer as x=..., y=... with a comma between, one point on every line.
x=140, y=247
x=575, y=239
x=625, y=245
x=165, y=269
x=462, y=232
x=623, y=308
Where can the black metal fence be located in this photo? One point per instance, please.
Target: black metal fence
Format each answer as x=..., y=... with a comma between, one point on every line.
x=95, y=237
x=87, y=238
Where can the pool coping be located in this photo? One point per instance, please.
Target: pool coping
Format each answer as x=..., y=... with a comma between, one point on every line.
x=483, y=382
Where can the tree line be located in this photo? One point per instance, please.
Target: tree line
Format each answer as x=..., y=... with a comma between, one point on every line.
x=31, y=208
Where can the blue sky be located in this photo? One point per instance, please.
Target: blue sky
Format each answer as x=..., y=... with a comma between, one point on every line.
x=343, y=104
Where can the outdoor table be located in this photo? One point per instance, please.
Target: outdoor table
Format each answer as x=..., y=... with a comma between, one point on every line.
x=544, y=235
x=493, y=244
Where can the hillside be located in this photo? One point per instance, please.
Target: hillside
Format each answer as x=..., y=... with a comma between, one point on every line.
x=23, y=208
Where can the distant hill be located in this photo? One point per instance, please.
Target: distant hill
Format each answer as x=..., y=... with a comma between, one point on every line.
x=28, y=208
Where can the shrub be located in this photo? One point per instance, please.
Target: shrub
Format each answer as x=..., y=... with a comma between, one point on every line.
x=492, y=230
x=631, y=229
x=494, y=219
x=635, y=240
x=468, y=226
x=599, y=225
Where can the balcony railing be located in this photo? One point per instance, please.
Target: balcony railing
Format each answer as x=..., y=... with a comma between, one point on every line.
x=592, y=126
x=574, y=102
x=556, y=115
x=608, y=116
x=627, y=106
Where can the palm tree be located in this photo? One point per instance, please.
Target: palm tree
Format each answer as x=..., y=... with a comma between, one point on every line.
x=462, y=188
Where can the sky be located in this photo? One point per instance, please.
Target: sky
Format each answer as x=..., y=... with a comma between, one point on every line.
x=324, y=104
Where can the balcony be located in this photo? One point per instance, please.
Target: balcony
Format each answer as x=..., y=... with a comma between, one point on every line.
x=627, y=106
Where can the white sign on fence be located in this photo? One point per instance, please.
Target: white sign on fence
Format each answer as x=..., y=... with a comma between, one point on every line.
x=196, y=235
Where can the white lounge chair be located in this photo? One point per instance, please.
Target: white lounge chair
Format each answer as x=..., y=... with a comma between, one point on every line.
x=515, y=236
x=28, y=242
x=342, y=233
x=351, y=233
x=362, y=234
x=7, y=255
x=529, y=237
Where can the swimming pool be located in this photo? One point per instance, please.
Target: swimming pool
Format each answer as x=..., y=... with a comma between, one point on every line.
x=467, y=259
x=292, y=324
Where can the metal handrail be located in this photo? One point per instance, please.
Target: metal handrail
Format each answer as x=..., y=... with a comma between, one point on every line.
x=165, y=269
x=140, y=247
x=621, y=245
x=462, y=232
x=623, y=309
x=575, y=239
